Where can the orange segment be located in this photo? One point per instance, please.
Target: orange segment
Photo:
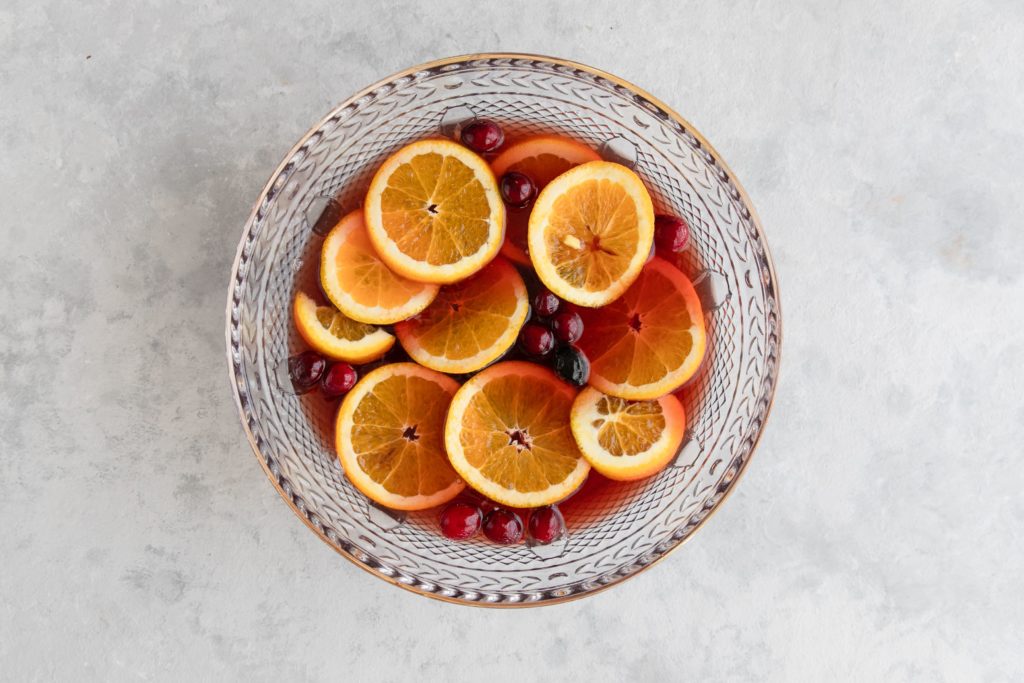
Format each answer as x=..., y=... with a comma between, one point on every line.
x=649, y=341
x=470, y=323
x=390, y=437
x=362, y=287
x=542, y=158
x=337, y=336
x=508, y=435
x=434, y=213
x=627, y=440
x=590, y=232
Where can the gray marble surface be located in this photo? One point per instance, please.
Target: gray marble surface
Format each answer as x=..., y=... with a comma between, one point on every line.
x=877, y=533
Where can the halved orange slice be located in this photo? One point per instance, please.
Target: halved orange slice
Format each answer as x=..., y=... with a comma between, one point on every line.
x=627, y=440
x=543, y=158
x=508, y=435
x=356, y=281
x=390, y=437
x=649, y=341
x=434, y=213
x=335, y=335
x=470, y=323
x=591, y=231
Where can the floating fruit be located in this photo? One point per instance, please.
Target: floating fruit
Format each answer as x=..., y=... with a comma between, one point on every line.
x=337, y=336
x=390, y=437
x=359, y=283
x=503, y=526
x=651, y=340
x=434, y=213
x=470, y=323
x=591, y=230
x=508, y=435
x=460, y=521
x=483, y=136
x=626, y=440
x=338, y=380
x=542, y=159
x=671, y=234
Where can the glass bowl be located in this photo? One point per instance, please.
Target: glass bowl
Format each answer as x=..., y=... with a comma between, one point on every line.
x=626, y=527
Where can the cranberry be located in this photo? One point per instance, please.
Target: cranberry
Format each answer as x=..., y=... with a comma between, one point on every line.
x=567, y=326
x=545, y=303
x=546, y=525
x=503, y=526
x=572, y=365
x=306, y=369
x=536, y=340
x=338, y=379
x=517, y=189
x=670, y=233
x=483, y=136
x=460, y=521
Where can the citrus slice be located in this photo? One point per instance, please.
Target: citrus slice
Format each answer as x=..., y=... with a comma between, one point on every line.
x=356, y=281
x=627, y=440
x=650, y=340
x=591, y=231
x=470, y=323
x=434, y=213
x=543, y=158
x=508, y=435
x=390, y=437
x=333, y=334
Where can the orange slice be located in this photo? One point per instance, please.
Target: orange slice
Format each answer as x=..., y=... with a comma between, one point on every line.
x=508, y=435
x=469, y=324
x=356, y=281
x=627, y=440
x=337, y=336
x=648, y=342
x=590, y=232
x=434, y=213
x=542, y=158
x=390, y=437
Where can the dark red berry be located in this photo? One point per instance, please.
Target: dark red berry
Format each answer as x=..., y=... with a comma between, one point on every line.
x=503, y=526
x=338, y=379
x=567, y=326
x=572, y=365
x=545, y=304
x=536, y=340
x=483, y=136
x=460, y=521
x=517, y=189
x=546, y=525
x=670, y=233
x=306, y=369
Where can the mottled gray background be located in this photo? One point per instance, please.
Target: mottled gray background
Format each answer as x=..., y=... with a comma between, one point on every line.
x=877, y=533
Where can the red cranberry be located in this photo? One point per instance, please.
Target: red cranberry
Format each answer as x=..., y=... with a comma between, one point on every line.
x=306, y=369
x=670, y=233
x=483, y=136
x=536, y=340
x=567, y=326
x=460, y=521
x=545, y=303
x=517, y=189
x=338, y=379
x=503, y=526
x=572, y=365
x=546, y=525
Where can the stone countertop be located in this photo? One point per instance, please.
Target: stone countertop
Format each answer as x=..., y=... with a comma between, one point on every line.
x=876, y=534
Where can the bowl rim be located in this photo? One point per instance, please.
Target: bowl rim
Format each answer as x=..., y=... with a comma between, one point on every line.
x=433, y=64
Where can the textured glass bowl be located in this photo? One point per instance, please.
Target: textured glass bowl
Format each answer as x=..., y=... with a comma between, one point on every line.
x=613, y=536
